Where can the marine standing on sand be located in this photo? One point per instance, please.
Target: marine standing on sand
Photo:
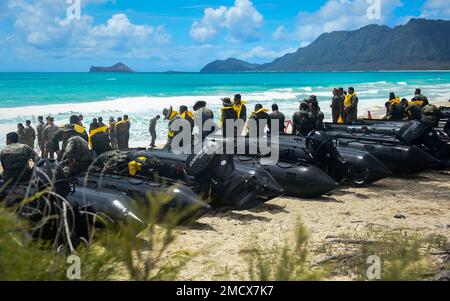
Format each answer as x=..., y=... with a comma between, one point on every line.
x=30, y=134
x=262, y=118
x=126, y=132
x=112, y=132
x=76, y=157
x=302, y=120
x=277, y=115
x=170, y=115
x=47, y=135
x=228, y=114
x=317, y=114
x=152, y=130
x=99, y=140
x=15, y=158
x=203, y=114
x=40, y=129
x=240, y=108
x=119, y=133
x=337, y=104
x=188, y=116
x=21, y=133
x=350, y=106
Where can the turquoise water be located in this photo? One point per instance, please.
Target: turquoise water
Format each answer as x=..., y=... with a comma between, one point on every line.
x=143, y=95
x=27, y=89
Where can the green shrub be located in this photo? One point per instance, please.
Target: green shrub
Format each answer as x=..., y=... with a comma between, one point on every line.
x=282, y=262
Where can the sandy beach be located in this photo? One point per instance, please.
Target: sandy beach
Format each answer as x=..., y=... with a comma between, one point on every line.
x=222, y=237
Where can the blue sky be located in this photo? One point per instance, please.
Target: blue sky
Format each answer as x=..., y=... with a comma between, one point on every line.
x=181, y=35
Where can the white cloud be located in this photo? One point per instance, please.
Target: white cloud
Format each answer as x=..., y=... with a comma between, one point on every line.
x=209, y=26
x=42, y=25
x=336, y=15
x=436, y=9
x=241, y=20
x=263, y=53
x=280, y=33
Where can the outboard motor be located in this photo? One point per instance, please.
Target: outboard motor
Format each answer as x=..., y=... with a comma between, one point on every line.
x=218, y=175
x=324, y=153
x=423, y=135
x=46, y=208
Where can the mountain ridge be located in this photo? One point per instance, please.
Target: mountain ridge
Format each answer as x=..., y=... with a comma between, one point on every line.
x=420, y=44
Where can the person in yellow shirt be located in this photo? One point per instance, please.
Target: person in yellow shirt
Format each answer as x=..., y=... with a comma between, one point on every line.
x=240, y=107
x=170, y=115
x=350, y=106
x=262, y=117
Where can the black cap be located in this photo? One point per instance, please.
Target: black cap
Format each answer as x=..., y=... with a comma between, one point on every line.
x=199, y=104
x=226, y=101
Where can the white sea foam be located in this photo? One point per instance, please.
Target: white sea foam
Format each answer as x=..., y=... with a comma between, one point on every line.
x=141, y=109
x=402, y=83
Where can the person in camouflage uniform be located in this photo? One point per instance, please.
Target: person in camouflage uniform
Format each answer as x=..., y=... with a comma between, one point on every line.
x=15, y=159
x=22, y=134
x=277, y=115
x=30, y=134
x=76, y=157
x=47, y=135
x=40, y=129
x=317, y=114
x=68, y=131
x=303, y=120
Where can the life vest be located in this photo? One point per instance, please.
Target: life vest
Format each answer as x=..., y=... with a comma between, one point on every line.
x=172, y=116
x=417, y=102
x=187, y=114
x=254, y=113
x=238, y=107
x=222, y=111
x=122, y=122
x=395, y=101
x=135, y=166
x=263, y=110
x=77, y=128
x=102, y=129
x=348, y=99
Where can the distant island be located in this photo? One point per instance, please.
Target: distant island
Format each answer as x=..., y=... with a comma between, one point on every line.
x=117, y=68
x=419, y=45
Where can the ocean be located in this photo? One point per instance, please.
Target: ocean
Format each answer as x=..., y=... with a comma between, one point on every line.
x=143, y=95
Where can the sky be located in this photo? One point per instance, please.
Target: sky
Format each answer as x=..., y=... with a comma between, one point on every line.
x=180, y=35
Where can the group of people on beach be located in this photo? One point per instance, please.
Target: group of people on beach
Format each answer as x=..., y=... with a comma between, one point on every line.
x=400, y=109
x=46, y=133
x=78, y=142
